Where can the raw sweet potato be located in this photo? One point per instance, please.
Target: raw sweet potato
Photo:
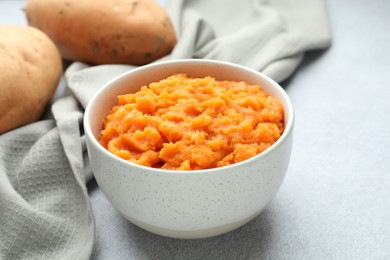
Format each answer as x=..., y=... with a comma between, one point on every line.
x=30, y=69
x=105, y=32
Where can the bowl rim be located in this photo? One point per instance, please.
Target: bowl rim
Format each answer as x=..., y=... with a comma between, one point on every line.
x=146, y=169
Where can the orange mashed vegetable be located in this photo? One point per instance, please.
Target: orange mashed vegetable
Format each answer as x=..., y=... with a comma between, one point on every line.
x=184, y=123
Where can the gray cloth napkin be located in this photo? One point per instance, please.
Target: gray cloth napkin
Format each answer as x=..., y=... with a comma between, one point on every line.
x=45, y=212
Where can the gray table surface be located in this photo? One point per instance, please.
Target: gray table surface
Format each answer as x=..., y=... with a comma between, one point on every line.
x=335, y=200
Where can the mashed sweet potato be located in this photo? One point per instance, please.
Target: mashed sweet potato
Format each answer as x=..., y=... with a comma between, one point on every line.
x=185, y=123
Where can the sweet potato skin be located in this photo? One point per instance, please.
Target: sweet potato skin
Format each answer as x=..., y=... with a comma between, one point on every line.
x=132, y=32
x=31, y=67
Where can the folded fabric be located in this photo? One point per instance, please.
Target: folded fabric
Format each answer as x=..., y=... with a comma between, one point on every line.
x=270, y=36
x=44, y=208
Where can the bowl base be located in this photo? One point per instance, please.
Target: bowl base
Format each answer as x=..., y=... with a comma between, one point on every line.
x=191, y=234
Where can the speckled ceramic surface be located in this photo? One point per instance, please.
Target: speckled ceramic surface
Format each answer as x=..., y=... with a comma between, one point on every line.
x=187, y=204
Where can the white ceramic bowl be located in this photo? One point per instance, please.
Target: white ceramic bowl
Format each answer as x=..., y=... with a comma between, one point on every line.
x=187, y=204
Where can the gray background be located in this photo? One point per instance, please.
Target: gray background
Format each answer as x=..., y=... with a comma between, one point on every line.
x=335, y=200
